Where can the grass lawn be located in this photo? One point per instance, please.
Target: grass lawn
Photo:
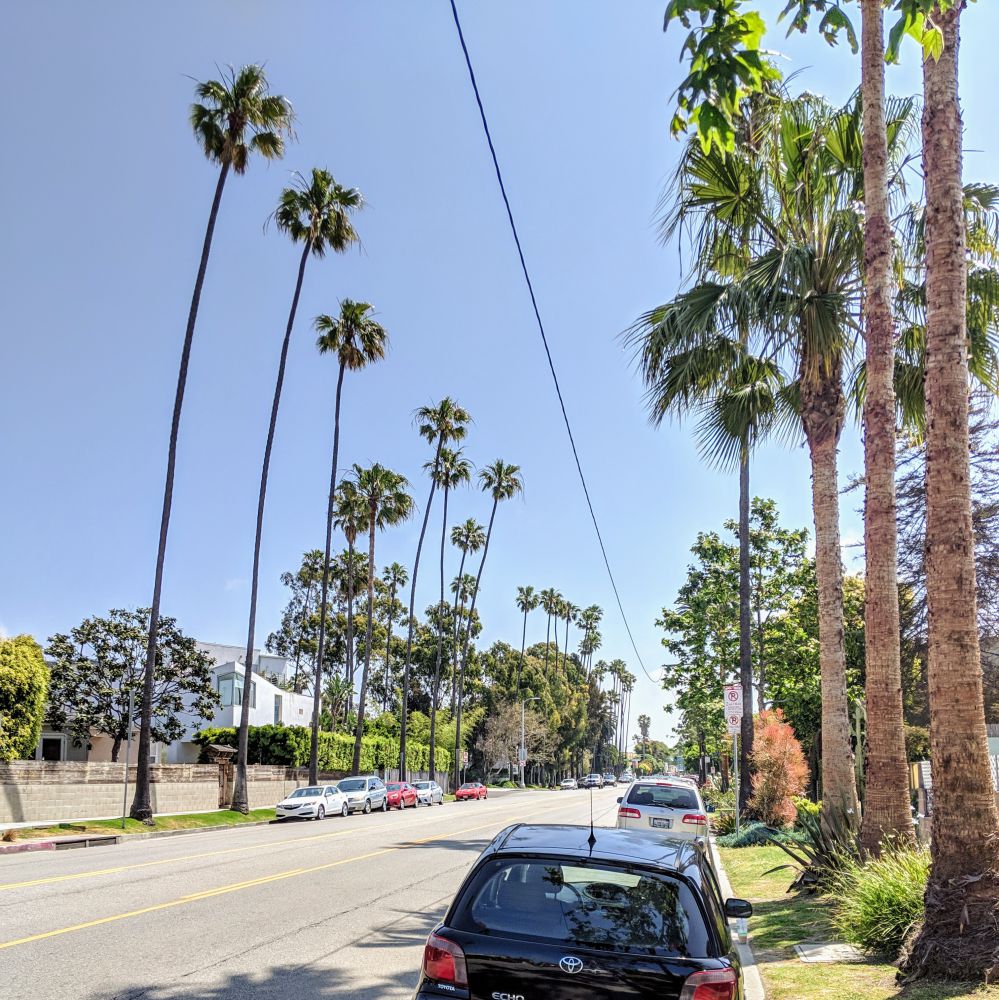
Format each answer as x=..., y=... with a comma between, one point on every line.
x=189, y=821
x=780, y=920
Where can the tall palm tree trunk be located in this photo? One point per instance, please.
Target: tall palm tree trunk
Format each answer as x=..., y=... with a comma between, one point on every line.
x=548, y=642
x=359, y=731
x=823, y=407
x=523, y=646
x=886, y=802
x=745, y=634
x=301, y=636
x=457, y=627
x=464, y=651
x=962, y=893
x=388, y=649
x=348, y=664
x=324, y=593
x=141, y=802
x=412, y=611
x=435, y=692
x=240, y=797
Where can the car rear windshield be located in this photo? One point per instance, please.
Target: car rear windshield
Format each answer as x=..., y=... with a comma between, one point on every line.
x=353, y=785
x=593, y=906
x=468, y=785
x=306, y=793
x=422, y=785
x=663, y=796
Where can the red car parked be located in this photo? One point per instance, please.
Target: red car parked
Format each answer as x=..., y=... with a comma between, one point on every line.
x=401, y=794
x=471, y=790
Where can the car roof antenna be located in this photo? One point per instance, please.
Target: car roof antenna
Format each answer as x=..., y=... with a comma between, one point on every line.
x=592, y=839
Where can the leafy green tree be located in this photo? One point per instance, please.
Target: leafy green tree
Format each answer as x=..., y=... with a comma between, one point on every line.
x=101, y=662
x=316, y=213
x=527, y=601
x=501, y=481
x=384, y=495
x=294, y=637
x=232, y=119
x=440, y=425
x=24, y=684
x=550, y=601
x=469, y=537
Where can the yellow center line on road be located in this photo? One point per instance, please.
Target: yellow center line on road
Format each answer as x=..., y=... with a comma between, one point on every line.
x=50, y=879
x=238, y=886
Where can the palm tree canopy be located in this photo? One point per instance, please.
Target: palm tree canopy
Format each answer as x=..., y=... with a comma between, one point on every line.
x=317, y=211
x=235, y=117
x=353, y=336
x=395, y=575
x=350, y=513
x=469, y=536
x=447, y=421
x=549, y=600
x=452, y=469
x=382, y=495
x=527, y=599
x=463, y=586
x=501, y=481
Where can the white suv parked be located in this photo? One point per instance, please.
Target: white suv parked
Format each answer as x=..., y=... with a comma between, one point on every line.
x=673, y=806
x=364, y=793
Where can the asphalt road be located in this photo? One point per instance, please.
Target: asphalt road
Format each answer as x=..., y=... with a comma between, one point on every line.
x=338, y=909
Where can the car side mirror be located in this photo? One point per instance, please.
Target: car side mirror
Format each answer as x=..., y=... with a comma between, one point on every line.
x=738, y=908
x=620, y=799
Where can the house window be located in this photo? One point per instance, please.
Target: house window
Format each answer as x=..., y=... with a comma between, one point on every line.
x=225, y=691
x=277, y=709
x=51, y=748
x=231, y=691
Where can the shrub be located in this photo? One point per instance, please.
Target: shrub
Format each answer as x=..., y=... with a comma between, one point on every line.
x=878, y=903
x=822, y=848
x=291, y=745
x=917, y=743
x=758, y=834
x=723, y=823
x=805, y=808
x=24, y=685
x=780, y=770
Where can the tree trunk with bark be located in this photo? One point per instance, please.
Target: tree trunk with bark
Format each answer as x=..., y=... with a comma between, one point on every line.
x=317, y=694
x=435, y=691
x=359, y=732
x=141, y=808
x=886, y=801
x=958, y=937
x=823, y=409
x=745, y=636
x=240, y=793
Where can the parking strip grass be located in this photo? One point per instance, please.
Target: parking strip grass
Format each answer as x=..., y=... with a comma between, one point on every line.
x=781, y=919
x=188, y=821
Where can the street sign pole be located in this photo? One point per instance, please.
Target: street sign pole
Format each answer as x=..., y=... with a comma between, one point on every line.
x=735, y=759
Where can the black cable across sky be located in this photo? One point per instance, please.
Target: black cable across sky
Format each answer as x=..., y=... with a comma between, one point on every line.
x=541, y=330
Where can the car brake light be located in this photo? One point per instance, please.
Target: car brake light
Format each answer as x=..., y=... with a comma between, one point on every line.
x=444, y=961
x=720, y=985
x=629, y=813
x=698, y=819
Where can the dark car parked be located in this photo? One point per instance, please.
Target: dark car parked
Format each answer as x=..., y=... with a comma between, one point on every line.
x=547, y=914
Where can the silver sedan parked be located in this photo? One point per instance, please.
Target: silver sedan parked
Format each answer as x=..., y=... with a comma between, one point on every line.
x=429, y=793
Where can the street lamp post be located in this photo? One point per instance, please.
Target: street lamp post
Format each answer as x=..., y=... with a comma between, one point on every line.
x=523, y=745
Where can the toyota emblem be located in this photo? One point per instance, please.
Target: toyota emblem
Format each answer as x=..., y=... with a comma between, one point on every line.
x=571, y=964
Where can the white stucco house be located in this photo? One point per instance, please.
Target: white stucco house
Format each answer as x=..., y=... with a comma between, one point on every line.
x=268, y=702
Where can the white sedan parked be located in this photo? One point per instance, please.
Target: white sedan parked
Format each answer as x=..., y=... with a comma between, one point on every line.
x=663, y=804
x=570, y=784
x=429, y=793
x=313, y=802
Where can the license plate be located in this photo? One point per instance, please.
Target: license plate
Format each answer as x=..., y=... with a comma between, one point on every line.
x=661, y=824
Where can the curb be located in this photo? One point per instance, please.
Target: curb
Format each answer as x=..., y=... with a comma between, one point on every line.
x=752, y=979
x=112, y=839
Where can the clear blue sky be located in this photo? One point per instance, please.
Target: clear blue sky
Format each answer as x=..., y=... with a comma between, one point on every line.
x=106, y=197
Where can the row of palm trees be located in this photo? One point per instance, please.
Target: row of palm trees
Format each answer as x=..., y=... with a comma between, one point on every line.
x=233, y=119
x=803, y=248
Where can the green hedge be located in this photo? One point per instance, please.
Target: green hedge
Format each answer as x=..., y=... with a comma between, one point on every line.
x=291, y=745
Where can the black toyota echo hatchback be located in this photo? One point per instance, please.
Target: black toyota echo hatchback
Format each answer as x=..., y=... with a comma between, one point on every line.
x=549, y=913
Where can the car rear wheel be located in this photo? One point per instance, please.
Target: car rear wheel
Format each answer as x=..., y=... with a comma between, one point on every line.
x=367, y=806
x=344, y=809
x=321, y=813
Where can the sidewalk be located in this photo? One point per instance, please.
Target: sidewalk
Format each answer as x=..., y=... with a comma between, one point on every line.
x=752, y=980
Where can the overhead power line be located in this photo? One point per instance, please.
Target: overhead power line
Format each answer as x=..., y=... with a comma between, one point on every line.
x=541, y=330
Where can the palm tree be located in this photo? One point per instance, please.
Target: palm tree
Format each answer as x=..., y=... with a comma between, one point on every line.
x=527, y=601
x=316, y=213
x=382, y=493
x=395, y=576
x=569, y=613
x=453, y=470
x=963, y=890
x=502, y=482
x=232, y=119
x=440, y=425
x=462, y=587
x=549, y=601
x=357, y=341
